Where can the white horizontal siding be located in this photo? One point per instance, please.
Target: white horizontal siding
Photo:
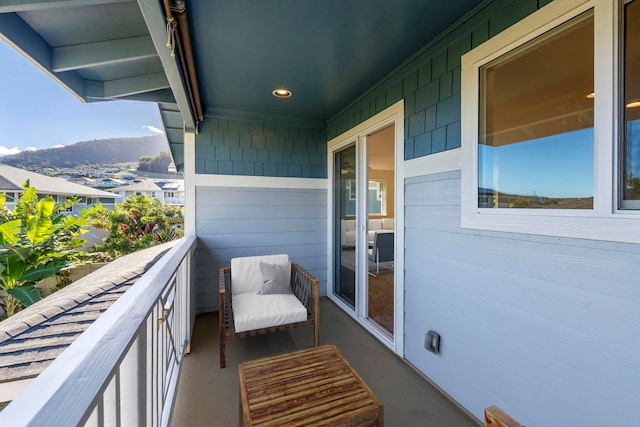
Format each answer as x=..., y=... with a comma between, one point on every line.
x=244, y=221
x=544, y=327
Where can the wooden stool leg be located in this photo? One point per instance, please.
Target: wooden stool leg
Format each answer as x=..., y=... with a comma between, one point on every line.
x=496, y=417
x=241, y=416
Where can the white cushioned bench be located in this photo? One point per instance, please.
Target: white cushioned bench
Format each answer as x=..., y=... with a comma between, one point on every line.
x=266, y=293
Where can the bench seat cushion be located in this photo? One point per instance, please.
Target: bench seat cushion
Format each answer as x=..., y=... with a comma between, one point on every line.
x=254, y=311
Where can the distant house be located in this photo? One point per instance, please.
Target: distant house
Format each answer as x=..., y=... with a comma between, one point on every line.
x=82, y=180
x=173, y=191
x=169, y=191
x=12, y=179
x=111, y=183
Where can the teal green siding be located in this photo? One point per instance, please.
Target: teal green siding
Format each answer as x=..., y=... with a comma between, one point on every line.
x=231, y=146
x=512, y=14
x=429, y=82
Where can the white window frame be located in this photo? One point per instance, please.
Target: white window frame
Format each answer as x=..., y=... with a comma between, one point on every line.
x=379, y=185
x=605, y=221
x=628, y=204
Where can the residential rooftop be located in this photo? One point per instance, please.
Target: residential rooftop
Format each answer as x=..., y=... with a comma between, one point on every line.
x=12, y=179
x=32, y=338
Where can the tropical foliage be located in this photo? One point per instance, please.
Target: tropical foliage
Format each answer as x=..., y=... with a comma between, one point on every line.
x=633, y=182
x=136, y=224
x=158, y=163
x=37, y=240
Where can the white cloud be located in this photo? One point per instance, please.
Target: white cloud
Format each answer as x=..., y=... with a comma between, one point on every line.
x=4, y=151
x=58, y=146
x=31, y=149
x=153, y=129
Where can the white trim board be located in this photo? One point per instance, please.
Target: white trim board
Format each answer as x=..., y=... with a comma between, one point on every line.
x=389, y=115
x=445, y=161
x=189, y=180
x=202, y=180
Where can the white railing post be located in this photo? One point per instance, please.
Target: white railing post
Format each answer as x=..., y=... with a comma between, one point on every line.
x=129, y=384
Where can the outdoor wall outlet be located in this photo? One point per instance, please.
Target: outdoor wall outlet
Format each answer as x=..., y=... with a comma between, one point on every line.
x=432, y=342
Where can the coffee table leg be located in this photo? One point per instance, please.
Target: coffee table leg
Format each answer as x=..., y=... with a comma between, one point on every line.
x=240, y=419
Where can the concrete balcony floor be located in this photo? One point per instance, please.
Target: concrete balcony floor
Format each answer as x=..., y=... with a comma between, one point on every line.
x=208, y=395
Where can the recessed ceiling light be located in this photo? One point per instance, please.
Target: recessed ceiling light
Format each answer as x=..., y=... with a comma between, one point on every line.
x=591, y=95
x=281, y=93
x=633, y=104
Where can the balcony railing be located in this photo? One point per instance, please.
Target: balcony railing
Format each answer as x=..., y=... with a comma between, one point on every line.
x=174, y=201
x=123, y=369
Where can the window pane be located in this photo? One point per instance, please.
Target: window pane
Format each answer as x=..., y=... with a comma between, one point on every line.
x=536, y=127
x=376, y=201
x=631, y=161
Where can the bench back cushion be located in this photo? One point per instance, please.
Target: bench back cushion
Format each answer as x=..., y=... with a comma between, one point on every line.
x=246, y=275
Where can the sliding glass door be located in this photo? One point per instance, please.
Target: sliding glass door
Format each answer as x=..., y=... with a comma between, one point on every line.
x=380, y=278
x=344, y=190
x=365, y=263
x=364, y=227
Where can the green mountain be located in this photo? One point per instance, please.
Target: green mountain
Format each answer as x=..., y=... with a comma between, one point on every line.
x=94, y=152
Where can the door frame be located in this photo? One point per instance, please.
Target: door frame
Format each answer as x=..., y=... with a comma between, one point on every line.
x=393, y=115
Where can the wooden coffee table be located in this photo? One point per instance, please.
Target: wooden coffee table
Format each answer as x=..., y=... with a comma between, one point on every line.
x=306, y=388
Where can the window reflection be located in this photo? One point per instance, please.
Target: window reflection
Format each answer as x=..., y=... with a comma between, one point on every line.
x=631, y=148
x=536, y=126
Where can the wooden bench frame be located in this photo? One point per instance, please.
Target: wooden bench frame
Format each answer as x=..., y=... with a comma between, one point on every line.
x=305, y=287
x=496, y=417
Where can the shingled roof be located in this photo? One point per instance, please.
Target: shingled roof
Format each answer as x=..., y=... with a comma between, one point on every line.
x=31, y=339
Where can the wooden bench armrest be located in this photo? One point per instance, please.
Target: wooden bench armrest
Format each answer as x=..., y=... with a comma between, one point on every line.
x=496, y=417
x=223, y=311
x=307, y=289
x=222, y=283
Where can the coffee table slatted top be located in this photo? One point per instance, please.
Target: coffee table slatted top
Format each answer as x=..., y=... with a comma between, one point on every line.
x=314, y=387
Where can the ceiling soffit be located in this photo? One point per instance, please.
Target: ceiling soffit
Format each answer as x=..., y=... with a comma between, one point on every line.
x=326, y=52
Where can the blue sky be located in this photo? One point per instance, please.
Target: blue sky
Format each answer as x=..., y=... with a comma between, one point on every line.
x=560, y=165
x=36, y=112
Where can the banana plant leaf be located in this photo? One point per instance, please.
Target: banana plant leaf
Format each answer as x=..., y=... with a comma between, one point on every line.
x=15, y=252
x=11, y=275
x=27, y=294
x=43, y=271
x=21, y=209
x=39, y=225
x=9, y=232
